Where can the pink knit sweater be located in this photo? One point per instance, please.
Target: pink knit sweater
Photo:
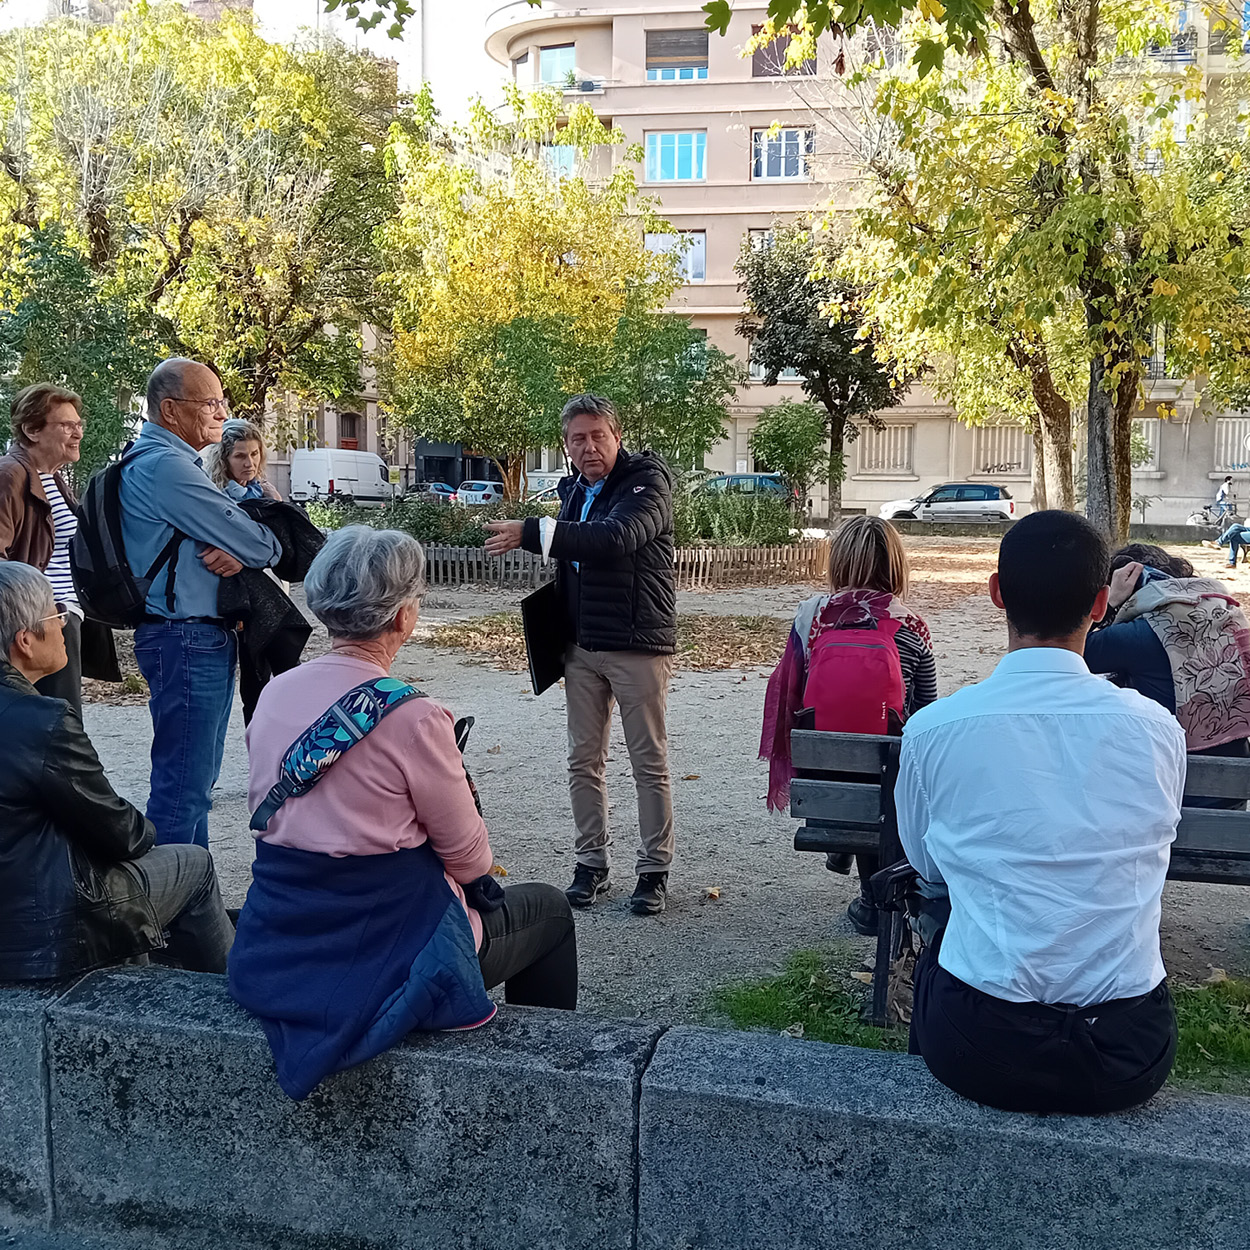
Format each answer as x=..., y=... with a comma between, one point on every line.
x=401, y=786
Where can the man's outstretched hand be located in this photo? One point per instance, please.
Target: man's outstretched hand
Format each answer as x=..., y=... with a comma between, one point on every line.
x=504, y=536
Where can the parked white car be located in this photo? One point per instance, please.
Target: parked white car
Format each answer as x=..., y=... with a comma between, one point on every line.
x=954, y=501
x=478, y=493
x=359, y=477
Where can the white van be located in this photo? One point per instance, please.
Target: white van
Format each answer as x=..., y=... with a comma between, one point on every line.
x=331, y=473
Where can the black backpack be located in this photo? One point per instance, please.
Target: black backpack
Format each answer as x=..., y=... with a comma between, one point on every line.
x=107, y=588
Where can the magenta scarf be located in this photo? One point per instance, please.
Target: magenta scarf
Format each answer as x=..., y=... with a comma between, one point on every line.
x=784, y=697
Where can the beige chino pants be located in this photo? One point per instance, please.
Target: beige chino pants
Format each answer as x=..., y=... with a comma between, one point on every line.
x=638, y=682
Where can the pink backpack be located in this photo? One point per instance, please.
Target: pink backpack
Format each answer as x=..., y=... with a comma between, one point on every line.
x=855, y=679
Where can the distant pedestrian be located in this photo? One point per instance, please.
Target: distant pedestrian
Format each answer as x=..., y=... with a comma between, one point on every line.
x=178, y=524
x=37, y=518
x=237, y=463
x=614, y=544
x=1224, y=498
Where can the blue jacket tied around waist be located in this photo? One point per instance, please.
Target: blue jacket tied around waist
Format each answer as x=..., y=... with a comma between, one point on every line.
x=341, y=957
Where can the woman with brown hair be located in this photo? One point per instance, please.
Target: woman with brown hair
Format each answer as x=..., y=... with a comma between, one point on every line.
x=858, y=661
x=37, y=518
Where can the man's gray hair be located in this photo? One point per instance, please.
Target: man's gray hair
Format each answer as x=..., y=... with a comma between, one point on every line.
x=590, y=406
x=165, y=382
x=25, y=600
x=361, y=578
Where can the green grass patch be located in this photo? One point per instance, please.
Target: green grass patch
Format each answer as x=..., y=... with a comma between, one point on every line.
x=814, y=990
x=1214, y=1025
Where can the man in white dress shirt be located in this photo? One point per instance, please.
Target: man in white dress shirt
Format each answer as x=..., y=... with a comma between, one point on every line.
x=1046, y=800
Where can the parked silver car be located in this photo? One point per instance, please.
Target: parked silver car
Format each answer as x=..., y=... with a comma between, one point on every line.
x=954, y=501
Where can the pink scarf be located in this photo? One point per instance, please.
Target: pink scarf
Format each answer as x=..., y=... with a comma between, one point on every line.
x=784, y=697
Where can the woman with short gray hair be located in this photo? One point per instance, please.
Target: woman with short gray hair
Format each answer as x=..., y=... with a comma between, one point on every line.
x=372, y=911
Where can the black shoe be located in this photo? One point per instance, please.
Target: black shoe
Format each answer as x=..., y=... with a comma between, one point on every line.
x=588, y=884
x=863, y=917
x=649, y=894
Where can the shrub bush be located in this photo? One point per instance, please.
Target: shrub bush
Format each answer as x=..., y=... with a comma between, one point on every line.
x=725, y=520
x=427, y=521
x=731, y=520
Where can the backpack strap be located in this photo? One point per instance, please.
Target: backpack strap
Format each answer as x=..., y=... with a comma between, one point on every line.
x=168, y=554
x=343, y=724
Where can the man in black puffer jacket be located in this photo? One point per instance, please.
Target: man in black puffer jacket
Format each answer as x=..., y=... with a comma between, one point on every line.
x=614, y=543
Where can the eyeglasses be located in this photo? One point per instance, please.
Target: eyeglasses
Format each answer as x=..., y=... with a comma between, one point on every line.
x=70, y=427
x=59, y=615
x=219, y=405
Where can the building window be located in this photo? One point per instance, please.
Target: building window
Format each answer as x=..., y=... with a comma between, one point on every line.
x=770, y=61
x=1232, y=443
x=676, y=156
x=783, y=156
x=560, y=159
x=694, y=257
x=349, y=431
x=557, y=65
x=1003, y=450
x=887, y=450
x=520, y=67
x=676, y=55
x=1146, y=435
x=760, y=237
x=756, y=373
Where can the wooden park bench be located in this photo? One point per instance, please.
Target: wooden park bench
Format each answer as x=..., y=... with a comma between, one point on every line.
x=843, y=791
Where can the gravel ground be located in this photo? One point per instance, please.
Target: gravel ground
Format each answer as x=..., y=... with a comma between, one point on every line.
x=772, y=900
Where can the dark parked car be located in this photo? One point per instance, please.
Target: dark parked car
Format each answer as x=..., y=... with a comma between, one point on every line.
x=746, y=484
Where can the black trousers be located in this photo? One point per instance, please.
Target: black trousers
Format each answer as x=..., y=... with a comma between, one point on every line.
x=530, y=946
x=1037, y=1057
x=67, y=682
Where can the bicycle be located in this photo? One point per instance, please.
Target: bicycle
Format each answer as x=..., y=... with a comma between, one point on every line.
x=1213, y=516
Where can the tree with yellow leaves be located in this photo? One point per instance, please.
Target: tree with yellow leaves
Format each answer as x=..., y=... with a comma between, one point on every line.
x=518, y=249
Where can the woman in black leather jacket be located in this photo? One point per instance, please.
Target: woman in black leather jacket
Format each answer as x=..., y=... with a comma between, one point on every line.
x=82, y=885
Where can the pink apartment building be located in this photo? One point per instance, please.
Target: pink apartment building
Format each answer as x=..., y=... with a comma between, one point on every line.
x=704, y=114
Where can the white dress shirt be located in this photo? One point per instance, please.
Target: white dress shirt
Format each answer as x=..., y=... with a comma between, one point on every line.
x=1046, y=799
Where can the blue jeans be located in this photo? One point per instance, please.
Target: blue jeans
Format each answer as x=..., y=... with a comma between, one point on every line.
x=189, y=668
x=1235, y=536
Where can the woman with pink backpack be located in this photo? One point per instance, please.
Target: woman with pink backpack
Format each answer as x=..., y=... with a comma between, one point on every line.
x=858, y=661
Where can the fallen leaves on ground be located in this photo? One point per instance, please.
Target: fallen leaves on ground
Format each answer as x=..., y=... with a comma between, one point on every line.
x=704, y=641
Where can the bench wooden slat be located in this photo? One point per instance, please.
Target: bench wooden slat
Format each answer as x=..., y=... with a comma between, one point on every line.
x=817, y=837
x=1218, y=777
x=837, y=753
x=1216, y=832
x=835, y=801
x=1208, y=869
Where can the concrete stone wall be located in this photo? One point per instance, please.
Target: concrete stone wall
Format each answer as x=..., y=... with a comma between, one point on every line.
x=140, y=1110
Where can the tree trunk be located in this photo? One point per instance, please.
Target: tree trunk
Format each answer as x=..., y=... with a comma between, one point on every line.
x=1100, y=501
x=1125, y=406
x=1055, y=415
x=837, y=464
x=1039, y=468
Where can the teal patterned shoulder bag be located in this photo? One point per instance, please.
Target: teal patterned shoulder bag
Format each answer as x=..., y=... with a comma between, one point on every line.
x=337, y=730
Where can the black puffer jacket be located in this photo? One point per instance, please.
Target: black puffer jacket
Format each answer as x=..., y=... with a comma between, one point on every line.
x=68, y=906
x=624, y=597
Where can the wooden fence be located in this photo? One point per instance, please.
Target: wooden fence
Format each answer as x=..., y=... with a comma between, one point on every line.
x=696, y=568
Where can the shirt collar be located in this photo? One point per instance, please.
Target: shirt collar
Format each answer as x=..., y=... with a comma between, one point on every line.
x=160, y=434
x=1041, y=660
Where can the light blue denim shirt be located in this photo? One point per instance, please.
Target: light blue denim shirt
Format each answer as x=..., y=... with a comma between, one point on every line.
x=251, y=491
x=165, y=488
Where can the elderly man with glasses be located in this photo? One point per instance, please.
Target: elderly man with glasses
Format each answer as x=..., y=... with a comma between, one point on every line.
x=82, y=885
x=176, y=520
